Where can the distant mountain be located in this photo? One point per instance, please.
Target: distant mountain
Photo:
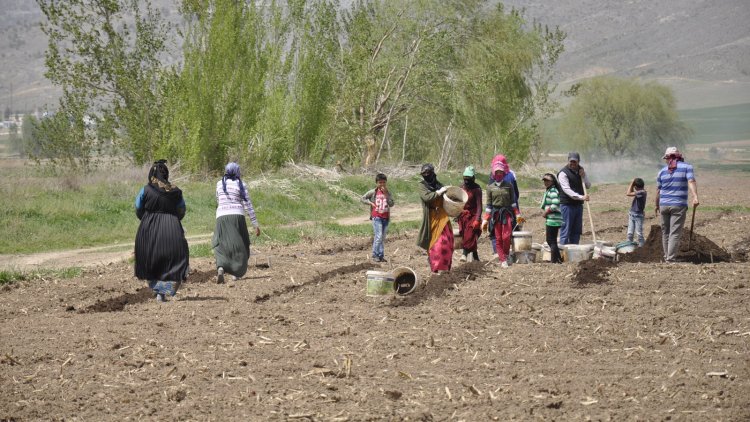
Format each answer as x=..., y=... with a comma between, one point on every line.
x=701, y=48
x=23, y=87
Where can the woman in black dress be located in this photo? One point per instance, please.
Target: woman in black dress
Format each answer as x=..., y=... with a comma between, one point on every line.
x=161, y=250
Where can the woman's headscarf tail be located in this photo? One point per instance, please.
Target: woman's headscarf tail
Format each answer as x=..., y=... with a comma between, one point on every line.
x=232, y=172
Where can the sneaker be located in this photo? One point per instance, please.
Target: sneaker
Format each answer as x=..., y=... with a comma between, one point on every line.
x=382, y=259
x=160, y=298
x=504, y=264
x=220, y=276
x=469, y=258
x=235, y=278
x=463, y=258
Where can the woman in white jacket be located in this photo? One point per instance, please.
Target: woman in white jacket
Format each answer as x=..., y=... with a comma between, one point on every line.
x=231, y=241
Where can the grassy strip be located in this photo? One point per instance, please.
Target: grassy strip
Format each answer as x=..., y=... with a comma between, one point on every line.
x=48, y=211
x=9, y=277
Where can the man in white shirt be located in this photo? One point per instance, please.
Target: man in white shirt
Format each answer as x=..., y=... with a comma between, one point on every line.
x=572, y=179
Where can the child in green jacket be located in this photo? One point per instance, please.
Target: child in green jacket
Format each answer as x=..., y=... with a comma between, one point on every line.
x=551, y=207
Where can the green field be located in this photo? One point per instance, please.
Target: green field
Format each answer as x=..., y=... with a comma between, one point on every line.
x=709, y=125
x=717, y=124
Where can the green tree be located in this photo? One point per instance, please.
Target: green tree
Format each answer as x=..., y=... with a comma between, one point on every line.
x=216, y=98
x=105, y=55
x=28, y=145
x=256, y=83
x=505, y=82
x=622, y=117
x=392, y=61
x=473, y=79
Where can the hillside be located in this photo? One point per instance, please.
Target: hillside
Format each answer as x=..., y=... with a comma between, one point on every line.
x=700, y=48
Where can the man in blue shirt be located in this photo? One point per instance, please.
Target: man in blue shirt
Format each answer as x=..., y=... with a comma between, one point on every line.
x=672, y=185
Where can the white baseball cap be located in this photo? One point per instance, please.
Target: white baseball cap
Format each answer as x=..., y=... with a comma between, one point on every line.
x=670, y=151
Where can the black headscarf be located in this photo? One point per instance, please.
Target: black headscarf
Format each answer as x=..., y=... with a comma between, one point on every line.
x=470, y=182
x=158, y=176
x=429, y=176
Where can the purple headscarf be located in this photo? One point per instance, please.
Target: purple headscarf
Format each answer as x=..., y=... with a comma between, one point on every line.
x=232, y=172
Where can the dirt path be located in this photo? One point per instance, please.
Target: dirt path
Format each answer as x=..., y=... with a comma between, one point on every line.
x=111, y=254
x=84, y=258
x=409, y=212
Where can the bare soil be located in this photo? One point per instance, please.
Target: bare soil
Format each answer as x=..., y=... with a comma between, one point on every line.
x=299, y=339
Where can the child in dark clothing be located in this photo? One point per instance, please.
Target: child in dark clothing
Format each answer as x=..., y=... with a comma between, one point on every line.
x=637, y=208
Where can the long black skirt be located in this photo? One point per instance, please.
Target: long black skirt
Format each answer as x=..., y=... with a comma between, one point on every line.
x=161, y=250
x=231, y=244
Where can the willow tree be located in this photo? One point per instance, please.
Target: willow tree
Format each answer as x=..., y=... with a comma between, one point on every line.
x=622, y=117
x=379, y=53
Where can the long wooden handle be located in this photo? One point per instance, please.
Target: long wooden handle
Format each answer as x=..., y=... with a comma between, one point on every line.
x=692, y=224
x=588, y=209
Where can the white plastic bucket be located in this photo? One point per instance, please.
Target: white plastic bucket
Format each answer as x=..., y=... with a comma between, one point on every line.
x=578, y=253
x=405, y=281
x=379, y=283
x=454, y=200
x=521, y=241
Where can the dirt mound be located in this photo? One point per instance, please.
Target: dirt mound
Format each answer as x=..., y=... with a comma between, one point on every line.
x=741, y=249
x=317, y=279
x=198, y=277
x=115, y=304
x=593, y=271
x=437, y=284
x=700, y=250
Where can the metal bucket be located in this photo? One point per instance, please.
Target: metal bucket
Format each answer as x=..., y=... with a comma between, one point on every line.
x=405, y=281
x=379, y=283
x=537, y=248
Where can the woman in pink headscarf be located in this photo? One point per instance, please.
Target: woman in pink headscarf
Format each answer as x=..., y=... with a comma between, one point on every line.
x=510, y=177
x=499, y=217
